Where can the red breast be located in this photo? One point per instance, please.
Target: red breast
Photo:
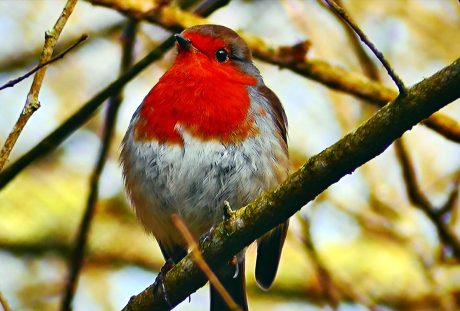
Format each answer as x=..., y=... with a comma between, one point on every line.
x=202, y=92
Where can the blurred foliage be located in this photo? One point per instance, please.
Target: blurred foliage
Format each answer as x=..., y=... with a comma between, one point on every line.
x=360, y=244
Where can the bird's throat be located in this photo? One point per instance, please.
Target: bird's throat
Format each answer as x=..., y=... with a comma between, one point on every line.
x=209, y=101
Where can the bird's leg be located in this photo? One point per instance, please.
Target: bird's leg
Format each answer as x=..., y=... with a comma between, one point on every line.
x=160, y=279
x=228, y=214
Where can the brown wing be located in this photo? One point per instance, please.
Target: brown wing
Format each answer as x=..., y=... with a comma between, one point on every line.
x=269, y=247
x=277, y=111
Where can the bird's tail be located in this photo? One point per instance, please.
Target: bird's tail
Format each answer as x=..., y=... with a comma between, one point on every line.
x=268, y=255
x=235, y=285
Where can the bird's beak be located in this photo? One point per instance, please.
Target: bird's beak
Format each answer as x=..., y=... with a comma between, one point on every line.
x=184, y=43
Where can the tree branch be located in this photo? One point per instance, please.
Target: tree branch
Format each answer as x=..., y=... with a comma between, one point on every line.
x=4, y=303
x=320, y=171
x=32, y=103
x=418, y=198
x=452, y=199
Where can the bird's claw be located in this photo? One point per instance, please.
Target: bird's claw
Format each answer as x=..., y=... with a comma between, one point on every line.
x=228, y=212
x=207, y=235
x=234, y=261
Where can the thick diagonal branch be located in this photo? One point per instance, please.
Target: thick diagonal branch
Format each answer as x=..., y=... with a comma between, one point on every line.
x=320, y=171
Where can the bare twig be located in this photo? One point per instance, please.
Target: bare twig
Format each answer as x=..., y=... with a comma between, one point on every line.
x=201, y=263
x=343, y=14
x=329, y=289
x=26, y=58
x=32, y=103
x=75, y=266
x=418, y=198
x=371, y=71
x=13, y=82
x=4, y=303
x=367, y=65
x=452, y=199
x=273, y=208
x=444, y=125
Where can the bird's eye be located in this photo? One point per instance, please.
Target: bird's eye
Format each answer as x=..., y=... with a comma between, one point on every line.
x=221, y=55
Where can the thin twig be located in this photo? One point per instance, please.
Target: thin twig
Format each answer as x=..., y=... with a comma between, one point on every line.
x=343, y=14
x=452, y=199
x=331, y=292
x=201, y=263
x=22, y=59
x=418, y=198
x=4, y=303
x=32, y=103
x=368, y=67
x=76, y=262
x=13, y=82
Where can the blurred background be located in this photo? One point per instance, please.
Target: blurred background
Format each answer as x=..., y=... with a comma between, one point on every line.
x=361, y=245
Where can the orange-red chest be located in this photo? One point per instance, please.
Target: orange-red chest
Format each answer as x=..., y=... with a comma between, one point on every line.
x=208, y=100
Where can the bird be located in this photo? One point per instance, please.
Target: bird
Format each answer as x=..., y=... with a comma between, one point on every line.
x=209, y=131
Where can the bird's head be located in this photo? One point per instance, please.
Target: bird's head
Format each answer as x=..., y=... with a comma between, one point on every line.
x=216, y=48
